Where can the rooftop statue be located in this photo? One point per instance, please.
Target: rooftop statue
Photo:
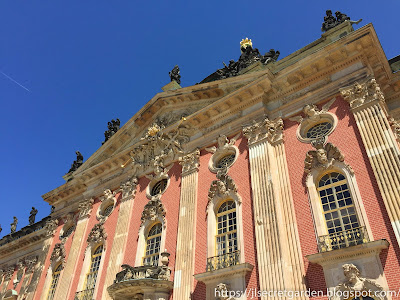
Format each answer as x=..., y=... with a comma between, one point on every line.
x=1, y=229
x=249, y=55
x=330, y=21
x=77, y=163
x=32, y=215
x=14, y=225
x=113, y=127
x=175, y=74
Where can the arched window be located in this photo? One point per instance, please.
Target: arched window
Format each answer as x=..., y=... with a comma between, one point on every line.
x=91, y=276
x=153, y=245
x=226, y=238
x=54, y=282
x=340, y=214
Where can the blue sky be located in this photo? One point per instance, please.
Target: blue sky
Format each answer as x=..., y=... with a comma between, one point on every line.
x=76, y=65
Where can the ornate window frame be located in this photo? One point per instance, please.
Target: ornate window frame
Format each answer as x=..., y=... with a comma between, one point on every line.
x=108, y=199
x=96, y=238
x=57, y=259
x=212, y=209
x=53, y=274
x=225, y=147
x=315, y=202
x=69, y=222
x=142, y=238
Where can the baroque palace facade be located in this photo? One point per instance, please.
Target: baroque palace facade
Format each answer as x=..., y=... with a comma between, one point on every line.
x=267, y=176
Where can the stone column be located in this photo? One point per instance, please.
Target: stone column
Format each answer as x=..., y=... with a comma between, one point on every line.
x=368, y=105
x=280, y=264
x=121, y=233
x=184, y=261
x=63, y=289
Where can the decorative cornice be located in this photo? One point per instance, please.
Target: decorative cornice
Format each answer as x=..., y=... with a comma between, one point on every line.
x=97, y=234
x=360, y=94
x=128, y=189
x=345, y=254
x=51, y=226
x=224, y=273
x=59, y=253
x=395, y=124
x=85, y=207
x=153, y=209
x=272, y=131
x=190, y=162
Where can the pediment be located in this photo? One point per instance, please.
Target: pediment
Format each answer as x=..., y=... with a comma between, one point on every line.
x=166, y=109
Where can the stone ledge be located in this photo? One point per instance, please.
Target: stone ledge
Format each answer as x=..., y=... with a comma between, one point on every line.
x=334, y=256
x=233, y=271
x=127, y=289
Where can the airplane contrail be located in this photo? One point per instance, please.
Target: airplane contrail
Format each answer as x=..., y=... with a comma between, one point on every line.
x=14, y=81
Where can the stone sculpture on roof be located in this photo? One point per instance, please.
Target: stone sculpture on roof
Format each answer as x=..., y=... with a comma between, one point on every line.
x=77, y=163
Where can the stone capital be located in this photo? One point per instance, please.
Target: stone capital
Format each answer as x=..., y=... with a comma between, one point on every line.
x=359, y=95
x=85, y=207
x=128, y=189
x=51, y=226
x=395, y=124
x=190, y=162
x=271, y=131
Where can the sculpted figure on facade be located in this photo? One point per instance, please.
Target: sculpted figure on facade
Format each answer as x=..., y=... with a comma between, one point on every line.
x=362, y=93
x=222, y=292
x=160, y=171
x=356, y=283
x=323, y=157
x=265, y=129
x=175, y=74
x=128, y=188
x=190, y=162
x=14, y=225
x=153, y=209
x=223, y=143
x=77, y=163
x=97, y=234
x=51, y=226
x=32, y=216
x=85, y=207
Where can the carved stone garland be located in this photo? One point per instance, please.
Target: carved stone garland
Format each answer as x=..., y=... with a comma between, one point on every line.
x=8, y=272
x=153, y=210
x=323, y=157
x=97, y=234
x=223, y=187
x=59, y=253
